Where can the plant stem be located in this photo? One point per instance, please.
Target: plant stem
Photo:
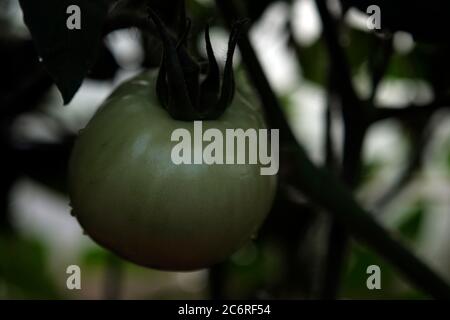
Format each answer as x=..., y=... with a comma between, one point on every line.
x=355, y=126
x=337, y=236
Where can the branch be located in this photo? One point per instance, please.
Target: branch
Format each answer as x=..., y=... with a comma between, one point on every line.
x=379, y=62
x=355, y=125
x=337, y=236
x=324, y=189
x=337, y=56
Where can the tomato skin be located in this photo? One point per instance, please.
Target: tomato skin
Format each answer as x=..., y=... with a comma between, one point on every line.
x=129, y=196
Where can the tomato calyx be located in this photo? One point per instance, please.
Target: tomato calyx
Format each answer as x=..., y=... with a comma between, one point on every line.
x=182, y=89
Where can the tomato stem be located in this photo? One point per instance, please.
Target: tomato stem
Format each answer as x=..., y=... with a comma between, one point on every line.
x=179, y=88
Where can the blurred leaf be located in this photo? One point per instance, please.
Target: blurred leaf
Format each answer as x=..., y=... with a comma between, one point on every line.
x=416, y=64
x=359, y=47
x=403, y=66
x=253, y=268
x=410, y=226
x=95, y=257
x=314, y=58
x=67, y=54
x=314, y=61
x=23, y=269
x=370, y=170
x=392, y=285
x=428, y=62
x=201, y=9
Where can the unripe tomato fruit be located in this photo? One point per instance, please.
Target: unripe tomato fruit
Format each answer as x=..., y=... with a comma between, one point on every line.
x=131, y=198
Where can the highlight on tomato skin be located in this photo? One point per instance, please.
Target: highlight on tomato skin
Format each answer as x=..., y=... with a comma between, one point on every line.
x=131, y=198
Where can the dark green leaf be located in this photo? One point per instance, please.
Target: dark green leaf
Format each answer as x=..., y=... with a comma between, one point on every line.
x=67, y=54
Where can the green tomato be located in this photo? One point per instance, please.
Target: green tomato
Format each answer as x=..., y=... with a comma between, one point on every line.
x=131, y=198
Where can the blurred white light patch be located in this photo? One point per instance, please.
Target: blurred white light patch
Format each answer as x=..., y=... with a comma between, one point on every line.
x=42, y=214
x=384, y=145
x=37, y=127
x=403, y=42
x=431, y=185
x=334, y=7
x=83, y=105
x=13, y=13
x=269, y=38
x=362, y=83
x=436, y=160
x=193, y=282
x=305, y=115
x=306, y=22
x=126, y=47
x=401, y=92
x=357, y=19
